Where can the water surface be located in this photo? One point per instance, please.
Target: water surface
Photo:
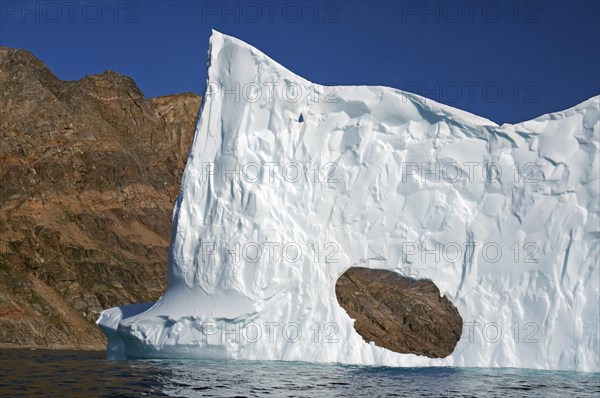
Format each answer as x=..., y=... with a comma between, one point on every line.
x=87, y=374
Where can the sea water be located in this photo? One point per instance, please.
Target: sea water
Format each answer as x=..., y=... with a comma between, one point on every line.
x=86, y=374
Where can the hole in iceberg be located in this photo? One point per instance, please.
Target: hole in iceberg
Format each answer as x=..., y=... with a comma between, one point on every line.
x=301, y=119
x=398, y=313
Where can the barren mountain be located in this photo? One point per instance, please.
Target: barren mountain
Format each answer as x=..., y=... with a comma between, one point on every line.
x=89, y=172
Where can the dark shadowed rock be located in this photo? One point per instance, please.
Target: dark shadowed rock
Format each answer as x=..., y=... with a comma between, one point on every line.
x=89, y=171
x=401, y=314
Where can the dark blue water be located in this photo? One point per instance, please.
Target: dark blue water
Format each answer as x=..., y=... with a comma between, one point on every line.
x=88, y=374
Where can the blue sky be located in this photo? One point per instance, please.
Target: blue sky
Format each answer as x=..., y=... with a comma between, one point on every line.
x=508, y=60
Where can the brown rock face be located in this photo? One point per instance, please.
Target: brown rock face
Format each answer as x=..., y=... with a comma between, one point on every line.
x=89, y=171
x=401, y=314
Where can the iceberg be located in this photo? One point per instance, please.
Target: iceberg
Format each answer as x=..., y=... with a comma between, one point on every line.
x=290, y=183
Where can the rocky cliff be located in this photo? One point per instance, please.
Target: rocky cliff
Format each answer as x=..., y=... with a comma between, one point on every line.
x=89, y=172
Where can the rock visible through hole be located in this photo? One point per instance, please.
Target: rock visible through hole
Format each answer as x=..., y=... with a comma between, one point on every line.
x=401, y=314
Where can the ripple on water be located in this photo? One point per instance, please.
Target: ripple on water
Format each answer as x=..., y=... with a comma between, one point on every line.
x=76, y=374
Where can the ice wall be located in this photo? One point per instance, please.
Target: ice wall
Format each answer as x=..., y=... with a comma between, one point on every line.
x=503, y=219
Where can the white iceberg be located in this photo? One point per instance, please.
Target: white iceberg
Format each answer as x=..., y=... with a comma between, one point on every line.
x=289, y=183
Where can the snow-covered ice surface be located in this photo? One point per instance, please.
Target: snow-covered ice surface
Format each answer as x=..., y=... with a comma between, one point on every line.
x=503, y=219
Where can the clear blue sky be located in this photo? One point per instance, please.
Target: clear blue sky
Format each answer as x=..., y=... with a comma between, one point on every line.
x=508, y=61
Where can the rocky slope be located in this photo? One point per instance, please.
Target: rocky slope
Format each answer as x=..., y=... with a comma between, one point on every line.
x=89, y=172
x=400, y=314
